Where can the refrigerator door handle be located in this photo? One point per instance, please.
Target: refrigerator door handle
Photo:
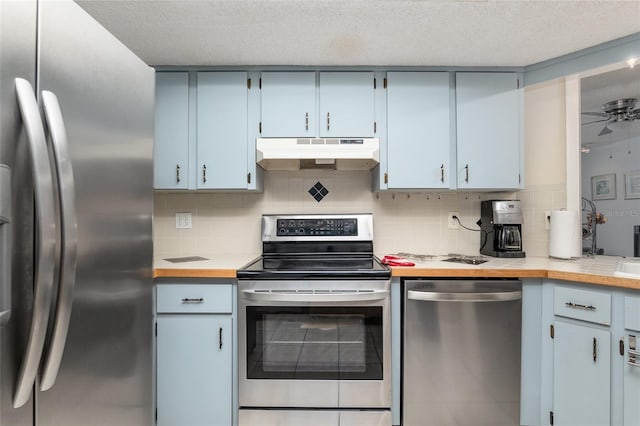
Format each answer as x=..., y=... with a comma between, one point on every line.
x=5, y=244
x=45, y=241
x=69, y=238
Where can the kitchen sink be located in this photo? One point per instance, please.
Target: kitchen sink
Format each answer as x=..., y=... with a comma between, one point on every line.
x=469, y=260
x=628, y=269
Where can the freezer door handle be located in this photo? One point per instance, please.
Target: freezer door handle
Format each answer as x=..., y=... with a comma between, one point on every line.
x=69, y=238
x=439, y=296
x=5, y=244
x=45, y=242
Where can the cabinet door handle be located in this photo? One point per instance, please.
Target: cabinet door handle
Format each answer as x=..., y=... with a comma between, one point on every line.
x=466, y=173
x=204, y=173
x=187, y=300
x=595, y=350
x=328, y=121
x=177, y=173
x=442, y=173
x=220, y=339
x=306, y=121
x=579, y=306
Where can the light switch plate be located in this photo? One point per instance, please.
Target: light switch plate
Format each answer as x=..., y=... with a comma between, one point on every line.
x=183, y=220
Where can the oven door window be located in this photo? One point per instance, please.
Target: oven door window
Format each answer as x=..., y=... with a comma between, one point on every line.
x=314, y=343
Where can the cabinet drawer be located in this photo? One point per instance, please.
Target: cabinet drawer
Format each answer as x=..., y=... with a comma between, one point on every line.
x=197, y=298
x=586, y=305
x=632, y=313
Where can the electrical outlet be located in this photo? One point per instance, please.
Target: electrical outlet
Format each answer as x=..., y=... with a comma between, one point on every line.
x=547, y=219
x=451, y=222
x=183, y=220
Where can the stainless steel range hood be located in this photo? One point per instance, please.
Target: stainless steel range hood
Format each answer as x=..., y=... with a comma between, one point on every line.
x=317, y=153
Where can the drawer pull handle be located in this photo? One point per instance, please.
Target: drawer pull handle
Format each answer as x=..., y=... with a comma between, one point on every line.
x=220, y=339
x=632, y=363
x=193, y=300
x=595, y=350
x=579, y=306
x=635, y=353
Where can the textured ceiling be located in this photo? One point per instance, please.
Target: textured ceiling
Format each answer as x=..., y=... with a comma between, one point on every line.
x=362, y=32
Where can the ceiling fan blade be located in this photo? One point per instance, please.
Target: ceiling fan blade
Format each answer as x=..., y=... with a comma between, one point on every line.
x=605, y=131
x=597, y=121
x=597, y=114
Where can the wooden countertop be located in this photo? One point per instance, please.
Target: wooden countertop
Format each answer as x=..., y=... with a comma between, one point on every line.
x=592, y=270
x=212, y=266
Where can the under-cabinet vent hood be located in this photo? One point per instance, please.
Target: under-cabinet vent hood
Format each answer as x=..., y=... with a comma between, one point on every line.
x=318, y=153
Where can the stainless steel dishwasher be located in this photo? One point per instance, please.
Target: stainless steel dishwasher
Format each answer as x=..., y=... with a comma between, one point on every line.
x=461, y=352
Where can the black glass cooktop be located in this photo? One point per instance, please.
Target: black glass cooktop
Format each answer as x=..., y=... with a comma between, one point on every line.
x=315, y=267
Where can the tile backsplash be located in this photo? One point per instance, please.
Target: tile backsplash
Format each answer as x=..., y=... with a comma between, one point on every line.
x=229, y=223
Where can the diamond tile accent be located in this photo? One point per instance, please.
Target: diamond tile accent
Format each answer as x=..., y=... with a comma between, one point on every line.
x=318, y=191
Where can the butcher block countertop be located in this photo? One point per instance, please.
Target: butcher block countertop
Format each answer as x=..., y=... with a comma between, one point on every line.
x=592, y=270
x=208, y=266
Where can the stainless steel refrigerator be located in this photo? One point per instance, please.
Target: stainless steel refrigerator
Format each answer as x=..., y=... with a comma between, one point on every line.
x=76, y=141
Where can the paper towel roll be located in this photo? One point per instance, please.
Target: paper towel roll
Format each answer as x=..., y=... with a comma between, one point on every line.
x=564, y=236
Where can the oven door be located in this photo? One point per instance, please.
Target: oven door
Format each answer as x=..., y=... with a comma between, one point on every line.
x=315, y=344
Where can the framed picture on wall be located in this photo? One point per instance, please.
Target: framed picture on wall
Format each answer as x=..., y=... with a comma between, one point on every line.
x=603, y=187
x=632, y=185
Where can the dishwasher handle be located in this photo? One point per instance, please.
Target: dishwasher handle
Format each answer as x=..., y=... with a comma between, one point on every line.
x=443, y=296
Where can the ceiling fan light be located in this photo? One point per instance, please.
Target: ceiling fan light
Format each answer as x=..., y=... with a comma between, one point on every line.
x=618, y=124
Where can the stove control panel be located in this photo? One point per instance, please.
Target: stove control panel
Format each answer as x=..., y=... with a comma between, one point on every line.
x=305, y=227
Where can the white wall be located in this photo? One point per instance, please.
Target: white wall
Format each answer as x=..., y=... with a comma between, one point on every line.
x=615, y=236
x=414, y=222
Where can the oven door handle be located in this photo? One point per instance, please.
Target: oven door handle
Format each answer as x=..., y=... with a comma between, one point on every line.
x=308, y=297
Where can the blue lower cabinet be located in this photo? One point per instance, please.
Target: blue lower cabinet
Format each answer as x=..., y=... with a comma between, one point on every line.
x=194, y=370
x=581, y=375
x=195, y=355
x=631, y=360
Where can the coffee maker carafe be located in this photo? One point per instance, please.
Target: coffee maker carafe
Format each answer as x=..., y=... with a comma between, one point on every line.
x=501, y=228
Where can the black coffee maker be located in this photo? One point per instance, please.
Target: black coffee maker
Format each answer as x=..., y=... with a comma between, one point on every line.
x=501, y=228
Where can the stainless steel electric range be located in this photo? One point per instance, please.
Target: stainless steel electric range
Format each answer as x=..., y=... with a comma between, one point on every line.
x=314, y=325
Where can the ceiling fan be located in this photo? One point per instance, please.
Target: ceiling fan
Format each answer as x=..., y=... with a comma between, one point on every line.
x=617, y=111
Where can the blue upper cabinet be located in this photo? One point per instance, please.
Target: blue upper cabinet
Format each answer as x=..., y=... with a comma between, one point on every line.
x=347, y=104
x=489, y=131
x=419, y=144
x=288, y=104
x=171, y=148
x=222, y=139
